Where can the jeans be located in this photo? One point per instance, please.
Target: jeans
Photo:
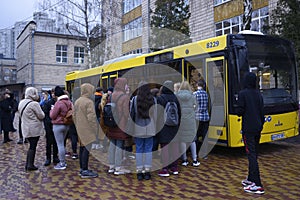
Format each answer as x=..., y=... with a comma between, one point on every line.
x=115, y=152
x=143, y=152
x=60, y=133
x=251, y=141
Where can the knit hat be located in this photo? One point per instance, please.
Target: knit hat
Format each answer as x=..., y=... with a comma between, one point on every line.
x=169, y=84
x=58, y=91
x=111, y=89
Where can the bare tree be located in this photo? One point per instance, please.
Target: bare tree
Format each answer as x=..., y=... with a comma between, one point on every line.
x=247, y=17
x=79, y=17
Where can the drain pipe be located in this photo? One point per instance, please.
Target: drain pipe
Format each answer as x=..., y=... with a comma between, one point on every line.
x=32, y=58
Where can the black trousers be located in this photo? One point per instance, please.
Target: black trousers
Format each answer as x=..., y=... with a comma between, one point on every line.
x=33, y=142
x=50, y=142
x=84, y=153
x=251, y=141
x=202, y=131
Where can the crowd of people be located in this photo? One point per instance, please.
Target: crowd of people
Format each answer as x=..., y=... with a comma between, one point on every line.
x=142, y=118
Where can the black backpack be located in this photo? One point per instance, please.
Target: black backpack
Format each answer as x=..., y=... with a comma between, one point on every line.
x=171, y=114
x=110, y=113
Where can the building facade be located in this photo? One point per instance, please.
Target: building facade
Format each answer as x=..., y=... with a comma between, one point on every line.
x=43, y=58
x=208, y=19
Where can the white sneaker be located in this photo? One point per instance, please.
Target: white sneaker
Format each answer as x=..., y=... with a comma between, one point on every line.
x=120, y=171
x=60, y=166
x=196, y=163
x=185, y=163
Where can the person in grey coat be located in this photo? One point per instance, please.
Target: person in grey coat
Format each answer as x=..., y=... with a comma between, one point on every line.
x=188, y=128
x=32, y=123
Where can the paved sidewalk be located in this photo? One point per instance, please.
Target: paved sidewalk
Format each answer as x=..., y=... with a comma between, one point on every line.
x=219, y=177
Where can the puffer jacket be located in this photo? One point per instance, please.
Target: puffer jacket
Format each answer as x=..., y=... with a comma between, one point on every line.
x=60, y=109
x=188, y=127
x=85, y=116
x=33, y=115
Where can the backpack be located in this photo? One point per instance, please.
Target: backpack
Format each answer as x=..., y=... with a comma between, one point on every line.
x=110, y=114
x=68, y=118
x=171, y=114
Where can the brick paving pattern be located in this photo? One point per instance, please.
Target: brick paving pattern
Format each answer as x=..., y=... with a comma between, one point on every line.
x=219, y=177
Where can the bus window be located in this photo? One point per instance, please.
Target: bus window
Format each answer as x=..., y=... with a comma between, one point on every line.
x=195, y=72
x=216, y=90
x=105, y=82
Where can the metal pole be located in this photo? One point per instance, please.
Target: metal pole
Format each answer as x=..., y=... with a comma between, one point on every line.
x=32, y=58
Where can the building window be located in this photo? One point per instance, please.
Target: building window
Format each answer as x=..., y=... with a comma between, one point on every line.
x=136, y=51
x=78, y=55
x=132, y=30
x=218, y=2
x=260, y=18
x=229, y=26
x=234, y=25
x=129, y=5
x=61, y=53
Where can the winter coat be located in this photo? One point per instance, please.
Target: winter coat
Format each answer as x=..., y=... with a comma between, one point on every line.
x=167, y=133
x=33, y=115
x=47, y=120
x=5, y=115
x=250, y=106
x=60, y=109
x=188, y=128
x=85, y=116
x=122, y=106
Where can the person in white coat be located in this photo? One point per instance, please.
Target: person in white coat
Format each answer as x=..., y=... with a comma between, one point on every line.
x=32, y=127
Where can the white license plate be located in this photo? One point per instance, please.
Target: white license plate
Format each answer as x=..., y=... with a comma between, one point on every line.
x=277, y=136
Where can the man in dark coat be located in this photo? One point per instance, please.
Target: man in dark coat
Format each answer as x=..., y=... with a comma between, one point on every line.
x=250, y=107
x=6, y=120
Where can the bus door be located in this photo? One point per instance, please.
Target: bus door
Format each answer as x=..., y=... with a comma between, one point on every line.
x=216, y=89
x=108, y=80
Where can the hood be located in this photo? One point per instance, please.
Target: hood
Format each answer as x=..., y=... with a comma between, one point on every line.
x=31, y=93
x=184, y=95
x=120, y=83
x=87, y=90
x=250, y=80
x=168, y=87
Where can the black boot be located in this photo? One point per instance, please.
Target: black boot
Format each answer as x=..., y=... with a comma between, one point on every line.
x=6, y=137
x=30, y=160
x=47, y=162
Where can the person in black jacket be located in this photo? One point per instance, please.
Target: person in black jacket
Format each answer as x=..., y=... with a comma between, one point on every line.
x=250, y=107
x=168, y=141
x=50, y=139
x=6, y=120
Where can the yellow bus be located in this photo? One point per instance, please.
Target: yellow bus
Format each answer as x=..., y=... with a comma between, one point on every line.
x=221, y=61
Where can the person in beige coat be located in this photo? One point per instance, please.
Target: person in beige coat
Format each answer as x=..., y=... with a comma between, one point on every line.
x=87, y=127
x=32, y=123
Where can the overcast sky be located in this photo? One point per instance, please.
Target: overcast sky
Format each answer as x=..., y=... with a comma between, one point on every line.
x=12, y=11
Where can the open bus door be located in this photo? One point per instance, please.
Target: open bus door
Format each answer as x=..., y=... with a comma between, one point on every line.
x=108, y=80
x=216, y=80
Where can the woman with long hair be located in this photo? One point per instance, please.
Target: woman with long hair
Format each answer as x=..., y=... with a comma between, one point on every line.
x=144, y=117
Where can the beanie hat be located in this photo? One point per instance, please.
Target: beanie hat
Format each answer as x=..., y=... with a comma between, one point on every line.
x=111, y=89
x=169, y=84
x=58, y=91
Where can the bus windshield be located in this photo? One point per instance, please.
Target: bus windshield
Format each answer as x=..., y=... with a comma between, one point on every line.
x=274, y=64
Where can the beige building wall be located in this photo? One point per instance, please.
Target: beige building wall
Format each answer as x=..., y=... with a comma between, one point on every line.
x=36, y=63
